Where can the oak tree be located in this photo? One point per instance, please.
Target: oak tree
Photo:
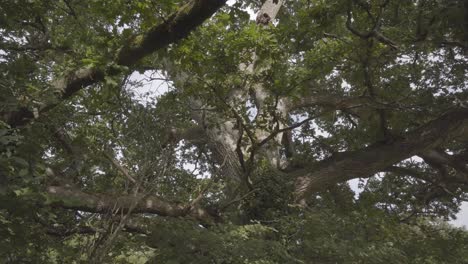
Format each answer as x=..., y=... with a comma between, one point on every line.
x=247, y=154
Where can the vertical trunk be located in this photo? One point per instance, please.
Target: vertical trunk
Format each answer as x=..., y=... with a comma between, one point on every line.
x=222, y=140
x=223, y=132
x=272, y=150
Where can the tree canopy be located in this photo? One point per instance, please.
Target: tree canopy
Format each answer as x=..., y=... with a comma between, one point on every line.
x=247, y=154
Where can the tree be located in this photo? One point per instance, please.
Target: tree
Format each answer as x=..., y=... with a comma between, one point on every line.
x=247, y=157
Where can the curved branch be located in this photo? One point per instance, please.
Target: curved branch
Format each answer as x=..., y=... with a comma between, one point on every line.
x=175, y=28
x=375, y=158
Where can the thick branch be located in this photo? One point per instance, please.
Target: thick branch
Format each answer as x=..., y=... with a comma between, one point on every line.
x=175, y=28
x=100, y=203
x=440, y=157
x=375, y=158
x=121, y=168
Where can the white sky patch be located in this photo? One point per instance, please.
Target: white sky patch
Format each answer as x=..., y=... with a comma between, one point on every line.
x=191, y=168
x=354, y=185
x=250, y=11
x=345, y=86
x=149, y=86
x=2, y=54
x=333, y=74
x=414, y=159
x=319, y=131
x=462, y=216
x=404, y=59
x=48, y=154
x=251, y=110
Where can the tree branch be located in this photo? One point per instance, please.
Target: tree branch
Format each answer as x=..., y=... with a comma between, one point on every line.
x=122, y=169
x=175, y=28
x=375, y=158
x=67, y=198
x=439, y=156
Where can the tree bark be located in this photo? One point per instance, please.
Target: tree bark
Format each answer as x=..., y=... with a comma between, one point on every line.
x=100, y=203
x=223, y=132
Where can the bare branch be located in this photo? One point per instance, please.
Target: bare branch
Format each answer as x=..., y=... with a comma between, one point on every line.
x=101, y=203
x=375, y=32
x=122, y=169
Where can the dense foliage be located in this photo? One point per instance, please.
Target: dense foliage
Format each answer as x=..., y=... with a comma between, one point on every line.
x=187, y=132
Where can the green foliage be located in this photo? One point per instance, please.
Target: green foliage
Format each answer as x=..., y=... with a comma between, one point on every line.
x=186, y=242
x=364, y=235
x=409, y=79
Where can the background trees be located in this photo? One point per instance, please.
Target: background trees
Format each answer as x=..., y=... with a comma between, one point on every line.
x=246, y=157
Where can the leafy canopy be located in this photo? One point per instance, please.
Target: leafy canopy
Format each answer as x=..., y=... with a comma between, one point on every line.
x=246, y=154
